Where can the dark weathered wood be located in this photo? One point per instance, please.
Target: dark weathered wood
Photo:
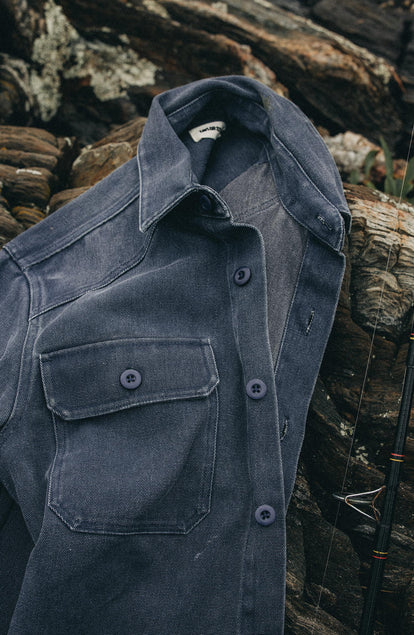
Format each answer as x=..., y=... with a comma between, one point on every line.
x=325, y=73
x=129, y=132
x=335, y=82
x=378, y=224
x=158, y=45
x=61, y=198
x=16, y=101
x=9, y=227
x=327, y=601
x=366, y=23
x=32, y=164
x=98, y=160
x=96, y=163
x=26, y=185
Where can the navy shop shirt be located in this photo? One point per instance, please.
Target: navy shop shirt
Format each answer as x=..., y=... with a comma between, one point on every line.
x=161, y=338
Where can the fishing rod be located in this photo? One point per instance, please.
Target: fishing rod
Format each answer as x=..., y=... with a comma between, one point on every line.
x=364, y=502
x=367, y=499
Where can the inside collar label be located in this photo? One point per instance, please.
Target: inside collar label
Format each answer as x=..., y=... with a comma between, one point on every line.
x=211, y=130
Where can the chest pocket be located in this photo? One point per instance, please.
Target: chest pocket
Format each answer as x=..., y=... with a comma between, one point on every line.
x=135, y=424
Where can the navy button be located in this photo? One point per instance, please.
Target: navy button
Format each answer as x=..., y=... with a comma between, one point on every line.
x=205, y=202
x=130, y=378
x=256, y=388
x=242, y=275
x=265, y=515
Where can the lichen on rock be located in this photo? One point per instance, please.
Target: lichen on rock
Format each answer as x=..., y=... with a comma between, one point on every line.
x=60, y=52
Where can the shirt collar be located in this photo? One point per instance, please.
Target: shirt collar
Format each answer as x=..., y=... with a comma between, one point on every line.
x=306, y=177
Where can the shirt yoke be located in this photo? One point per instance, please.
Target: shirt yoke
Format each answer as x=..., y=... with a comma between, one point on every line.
x=79, y=238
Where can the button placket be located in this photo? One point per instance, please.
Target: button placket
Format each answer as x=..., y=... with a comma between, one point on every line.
x=265, y=476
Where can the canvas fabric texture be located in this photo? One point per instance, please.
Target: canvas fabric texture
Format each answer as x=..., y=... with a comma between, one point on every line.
x=161, y=339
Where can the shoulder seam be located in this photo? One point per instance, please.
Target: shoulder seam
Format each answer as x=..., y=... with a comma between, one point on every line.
x=77, y=235
x=103, y=283
x=12, y=256
x=39, y=247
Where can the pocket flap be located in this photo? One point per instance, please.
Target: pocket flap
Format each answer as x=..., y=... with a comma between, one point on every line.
x=85, y=381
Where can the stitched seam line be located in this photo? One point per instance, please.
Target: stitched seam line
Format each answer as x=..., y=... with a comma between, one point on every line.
x=256, y=104
x=74, y=236
x=114, y=275
x=84, y=414
x=337, y=209
x=116, y=405
x=285, y=330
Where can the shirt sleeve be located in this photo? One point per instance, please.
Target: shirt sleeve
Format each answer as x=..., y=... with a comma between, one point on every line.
x=14, y=313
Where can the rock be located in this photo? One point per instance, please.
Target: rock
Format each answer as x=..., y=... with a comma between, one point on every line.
x=100, y=159
x=93, y=164
x=383, y=233
x=296, y=563
x=33, y=163
x=350, y=151
x=384, y=28
x=364, y=22
x=28, y=140
x=28, y=216
x=408, y=614
x=16, y=100
x=129, y=132
x=21, y=22
x=328, y=599
x=349, y=436
x=30, y=148
x=334, y=81
x=303, y=618
x=9, y=227
x=63, y=197
x=92, y=64
x=26, y=185
x=23, y=159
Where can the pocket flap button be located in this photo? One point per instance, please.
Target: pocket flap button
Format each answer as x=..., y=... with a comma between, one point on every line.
x=130, y=378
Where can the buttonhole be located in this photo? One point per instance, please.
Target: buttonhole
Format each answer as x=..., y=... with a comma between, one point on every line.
x=323, y=221
x=310, y=320
x=284, y=430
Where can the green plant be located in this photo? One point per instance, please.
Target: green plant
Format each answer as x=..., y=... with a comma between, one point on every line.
x=396, y=187
x=392, y=185
x=368, y=163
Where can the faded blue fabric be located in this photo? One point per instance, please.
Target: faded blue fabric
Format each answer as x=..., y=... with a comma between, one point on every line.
x=153, y=401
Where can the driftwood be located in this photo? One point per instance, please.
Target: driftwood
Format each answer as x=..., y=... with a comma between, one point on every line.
x=380, y=226
x=383, y=27
x=87, y=64
x=32, y=166
x=81, y=68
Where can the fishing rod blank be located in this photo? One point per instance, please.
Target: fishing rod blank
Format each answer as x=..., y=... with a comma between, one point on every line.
x=383, y=531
